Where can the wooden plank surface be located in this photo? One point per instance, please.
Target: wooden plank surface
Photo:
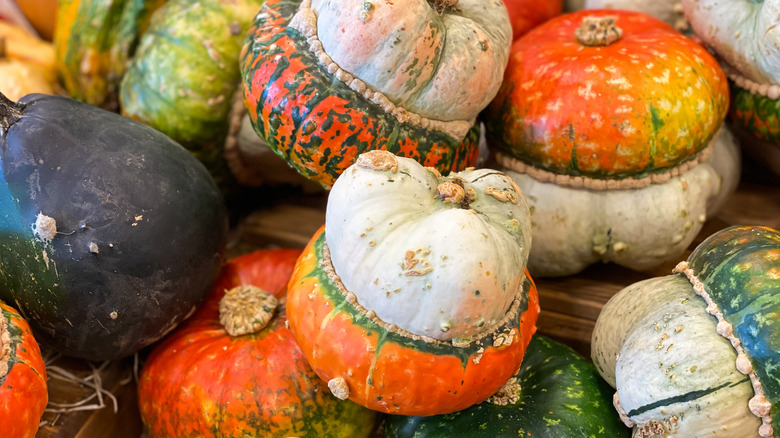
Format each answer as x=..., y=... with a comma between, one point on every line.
x=288, y=218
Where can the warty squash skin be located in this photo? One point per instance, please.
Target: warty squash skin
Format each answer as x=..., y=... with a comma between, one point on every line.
x=23, y=389
x=576, y=227
x=695, y=354
x=208, y=379
x=111, y=234
x=556, y=394
x=95, y=41
x=318, y=112
x=442, y=290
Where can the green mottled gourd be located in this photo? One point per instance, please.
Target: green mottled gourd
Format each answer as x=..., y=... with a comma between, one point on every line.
x=327, y=81
x=556, y=394
x=186, y=71
x=695, y=354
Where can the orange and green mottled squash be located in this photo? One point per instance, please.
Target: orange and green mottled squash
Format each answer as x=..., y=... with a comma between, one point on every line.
x=95, y=40
x=23, y=389
x=327, y=81
x=234, y=369
x=625, y=99
x=697, y=353
x=608, y=120
x=413, y=299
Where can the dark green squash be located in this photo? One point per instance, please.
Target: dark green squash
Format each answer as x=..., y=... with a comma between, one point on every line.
x=110, y=232
x=562, y=396
x=94, y=41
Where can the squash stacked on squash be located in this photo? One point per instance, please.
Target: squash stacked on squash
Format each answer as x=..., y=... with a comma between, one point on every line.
x=111, y=233
x=326, y=81
x=556, y=394
x=745, y=36
x=234, y=369
x=696, y=353
x=413, y=298
x=95, y=40
x=26, y=63
x=23, y=389
x=606, y=122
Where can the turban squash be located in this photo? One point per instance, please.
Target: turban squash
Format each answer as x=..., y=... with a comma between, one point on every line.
x=234, y=369
x=416, y=275
x=327, y=81
x=606, y=121
x=696, y=353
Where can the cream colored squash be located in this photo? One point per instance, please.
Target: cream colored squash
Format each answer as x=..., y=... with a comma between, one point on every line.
x=637, y=228
x=744, y=33
x=443, y=63
x=442, y=257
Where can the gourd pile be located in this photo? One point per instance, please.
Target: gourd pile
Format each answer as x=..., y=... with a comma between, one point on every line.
x=467, y=149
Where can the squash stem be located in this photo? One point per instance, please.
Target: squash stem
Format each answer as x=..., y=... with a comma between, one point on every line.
x=442, y=5
x=246, y=309
x=598, y=31
x=10, y=113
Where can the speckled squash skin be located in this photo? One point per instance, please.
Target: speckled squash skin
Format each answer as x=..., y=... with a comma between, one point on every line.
x=185, y=72
x=202, y=382
x=681, y=350
x=640, y=105
x=561, y=395
x=107, y=223
x=318, y=123
x=576, y=227
x=756, y=114
x=23, y=390
x=95, y=40
x=387, y=371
